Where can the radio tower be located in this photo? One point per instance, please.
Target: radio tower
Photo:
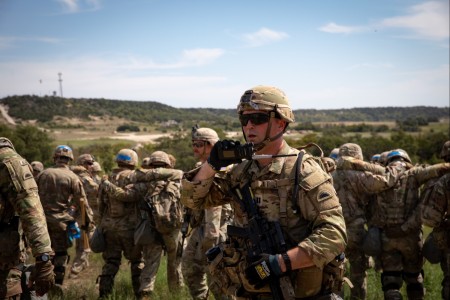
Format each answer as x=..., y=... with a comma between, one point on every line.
x=60, y=84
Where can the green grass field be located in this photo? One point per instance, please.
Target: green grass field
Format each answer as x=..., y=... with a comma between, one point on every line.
x=85, y=286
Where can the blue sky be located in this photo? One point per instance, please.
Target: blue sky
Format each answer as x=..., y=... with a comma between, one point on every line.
x=197, y=53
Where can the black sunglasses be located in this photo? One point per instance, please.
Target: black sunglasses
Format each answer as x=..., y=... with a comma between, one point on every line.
x=256, y=118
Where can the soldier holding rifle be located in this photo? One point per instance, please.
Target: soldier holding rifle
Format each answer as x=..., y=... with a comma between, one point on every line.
x=287, y=192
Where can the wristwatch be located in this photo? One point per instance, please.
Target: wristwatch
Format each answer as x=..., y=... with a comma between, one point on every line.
x=43, y=257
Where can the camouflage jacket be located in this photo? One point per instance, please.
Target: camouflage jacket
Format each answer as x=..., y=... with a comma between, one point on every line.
x=89, y=185
x=60, y=188
x=436, y=210
x=319, y=228
x=399, y=205
x=354, y=189
x=19, y=197
x=114, y=212
x=213, y=219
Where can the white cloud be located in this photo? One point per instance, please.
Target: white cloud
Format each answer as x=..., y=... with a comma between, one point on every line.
x=429, y=20
x=264, y=36
x=335, y=28
x=75, y=6
x=10, y=42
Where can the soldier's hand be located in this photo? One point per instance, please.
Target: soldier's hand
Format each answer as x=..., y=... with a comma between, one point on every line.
x=228, y=152
x=261, y=271
x=42, y=277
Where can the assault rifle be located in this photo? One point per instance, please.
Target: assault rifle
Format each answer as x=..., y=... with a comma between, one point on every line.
x=260, y=236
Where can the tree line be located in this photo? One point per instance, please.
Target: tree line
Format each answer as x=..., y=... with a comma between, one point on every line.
x=34, y=144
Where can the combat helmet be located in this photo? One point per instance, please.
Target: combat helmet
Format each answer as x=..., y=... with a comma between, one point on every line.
x=445, y=152
x=375, y=158
x=383, y=158
x=63, y=151
x=351, y=149
x=37, y=166
x=204, y=134
x=145, y=162
x=334, y=154
x=159, y=158
x=5, y=142
x=267, y=98
x=96, y=167
x=127, y=157
x=87, y=159
x=398, y=153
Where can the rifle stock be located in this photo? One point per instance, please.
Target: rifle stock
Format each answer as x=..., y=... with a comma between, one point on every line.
x=84, y=234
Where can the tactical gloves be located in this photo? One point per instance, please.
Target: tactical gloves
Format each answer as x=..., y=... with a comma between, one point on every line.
x=43, y=277
x=228, y=152
x=261, y=271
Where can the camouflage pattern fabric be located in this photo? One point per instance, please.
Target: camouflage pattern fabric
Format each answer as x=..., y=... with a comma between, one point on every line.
x=319, y=228
x=136, y=185
x=18, y=197
x=353, y=189
x=208, y=233
x=436, y=215
x=59, y=189
x=118, y=220
x=81, y=260
x=398, y=215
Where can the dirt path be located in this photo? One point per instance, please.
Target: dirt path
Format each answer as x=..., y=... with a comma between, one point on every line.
x=4, y=111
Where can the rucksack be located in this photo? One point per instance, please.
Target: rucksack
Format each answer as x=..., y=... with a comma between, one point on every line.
x=164, y=203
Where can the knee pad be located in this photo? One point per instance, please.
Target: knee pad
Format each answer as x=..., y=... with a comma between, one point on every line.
x=391, y=280
x=413, y=278
x=393, y=295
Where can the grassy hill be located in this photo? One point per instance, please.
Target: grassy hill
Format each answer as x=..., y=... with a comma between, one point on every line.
x=46, y=109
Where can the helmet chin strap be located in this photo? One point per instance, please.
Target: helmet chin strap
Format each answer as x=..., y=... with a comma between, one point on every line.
x=268, y=139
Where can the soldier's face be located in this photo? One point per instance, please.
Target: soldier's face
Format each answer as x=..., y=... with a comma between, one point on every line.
x=201, y=149
x=256, y=133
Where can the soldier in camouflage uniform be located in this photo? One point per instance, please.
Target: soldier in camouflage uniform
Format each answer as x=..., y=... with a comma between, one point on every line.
x=355, y=189
x=354, y=204
x=209, y=226
x=118, y=221
x=141, y=187
x=436, y=214
x=59, y=190
x=21, y=214
x=167, y=240
x=398, y=216
x=96, y=170
x=305, y=205
x=83, y=171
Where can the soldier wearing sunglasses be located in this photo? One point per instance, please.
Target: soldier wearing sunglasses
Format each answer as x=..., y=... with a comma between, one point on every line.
x=295, y=191
x=208, y=227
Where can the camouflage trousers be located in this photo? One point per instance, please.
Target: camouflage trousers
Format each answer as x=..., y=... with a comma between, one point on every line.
x=167, y=242
x=60, y=244
x=195, y=268
x=358, y=260
x=118, y=242
x=402, y=260
x=81, y=260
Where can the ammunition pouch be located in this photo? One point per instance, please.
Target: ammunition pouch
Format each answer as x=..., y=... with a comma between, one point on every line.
x=227, y=267
x=333, y=275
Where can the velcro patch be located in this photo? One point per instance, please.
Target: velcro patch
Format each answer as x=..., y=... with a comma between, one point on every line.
x=263, y=270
